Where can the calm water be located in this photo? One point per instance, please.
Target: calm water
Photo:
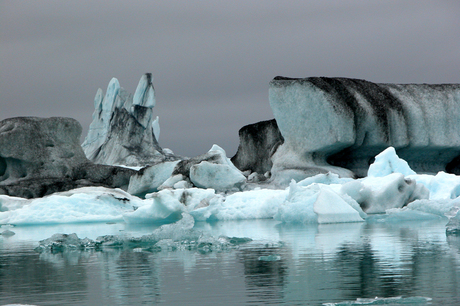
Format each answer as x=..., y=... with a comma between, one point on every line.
x=285, y=264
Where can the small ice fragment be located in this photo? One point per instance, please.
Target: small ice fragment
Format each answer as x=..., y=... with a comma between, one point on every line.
x=270, y=258
x=7, y=233
x=388, y=162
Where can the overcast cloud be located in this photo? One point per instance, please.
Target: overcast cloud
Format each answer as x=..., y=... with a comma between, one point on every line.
x=212, y=60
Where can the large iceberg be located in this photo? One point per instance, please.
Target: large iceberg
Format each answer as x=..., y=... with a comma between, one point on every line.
x=344, y=123
x=40, y=156
x=124, y=130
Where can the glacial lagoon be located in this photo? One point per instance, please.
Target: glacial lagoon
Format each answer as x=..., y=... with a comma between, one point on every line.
x=368, y=263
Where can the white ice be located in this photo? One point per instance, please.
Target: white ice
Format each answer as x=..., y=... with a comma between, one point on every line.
x=324, y=198
x=387, y=163
x=441, y=186
x=316, y=203
x=144, y=94
x=151, y=179
x=377, y=194
x=156, y=128
x=254, y=204
x=167, y=205
x=88, y=204
x=217, y=176
x=103, y=107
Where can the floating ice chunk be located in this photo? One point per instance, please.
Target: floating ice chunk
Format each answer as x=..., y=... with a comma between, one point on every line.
x=405, y=214
x=176, y=230
x=254, y=204
x=150, y=178
x=326, y=179
x=377, y=194
x=164, y=207
x=182, y=185
x=222, y=176
x=436, y=207
x=441, y=186
x=216, y=176
x=11, y=203
x=442, y=209
x=171, y=181
x=65, y=242
x=388, y=162
x=298, y=207
x=331, y=208
x=316, y=203
x=269, y=258
x=124, y=130
x=7, y=233
x=167, y=205
x=88, y=204
x=453, y=226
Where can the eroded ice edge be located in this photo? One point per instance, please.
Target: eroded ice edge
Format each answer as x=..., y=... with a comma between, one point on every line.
x=391, y=193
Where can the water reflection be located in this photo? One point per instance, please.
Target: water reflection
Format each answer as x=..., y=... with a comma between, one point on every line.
x=33, y=279
x=265, y=279
x=292, y=264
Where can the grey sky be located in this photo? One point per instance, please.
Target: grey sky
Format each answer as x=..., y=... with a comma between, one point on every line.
x=212, y=60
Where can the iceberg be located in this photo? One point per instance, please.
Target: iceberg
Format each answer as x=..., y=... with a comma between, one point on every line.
x=441, y=186
x=150, y=178
x=167, y=205
x=299, y=167
x=388, y=162
x=377, y=194
x=333, y=123
x=258, y=143
x=210, y=170
x=317, y=203
x=123, y=130
x=41, y=156
x=81, y=205
x=219, y=176
x=252, y=204
x=324, y=198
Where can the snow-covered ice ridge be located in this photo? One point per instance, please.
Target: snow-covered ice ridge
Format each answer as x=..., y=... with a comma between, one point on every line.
x=391, y=188
x=334, y=124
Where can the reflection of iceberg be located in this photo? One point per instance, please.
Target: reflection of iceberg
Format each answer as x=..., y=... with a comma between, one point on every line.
x=289, y=263
x=363, y=260
x=176, y=236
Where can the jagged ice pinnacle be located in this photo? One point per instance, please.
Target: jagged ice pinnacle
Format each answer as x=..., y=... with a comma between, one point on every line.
x=123, y=130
